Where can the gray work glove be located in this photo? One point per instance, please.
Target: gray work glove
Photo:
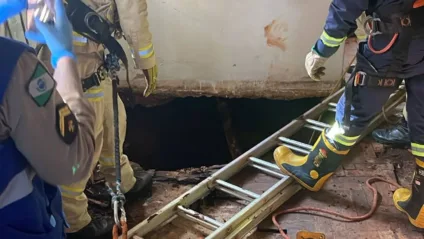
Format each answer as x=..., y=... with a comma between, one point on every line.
x=314, y=65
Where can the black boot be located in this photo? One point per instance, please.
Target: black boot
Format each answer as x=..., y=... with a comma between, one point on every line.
x=98, y=227
x=397, y=135
x=411, y=202
x=313, y=170
x=141, y=189
x=143, y=184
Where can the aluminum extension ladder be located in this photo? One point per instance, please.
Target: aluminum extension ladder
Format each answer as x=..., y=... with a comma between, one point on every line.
x=260, y=206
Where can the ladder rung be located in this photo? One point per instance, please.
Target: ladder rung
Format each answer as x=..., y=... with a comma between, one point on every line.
x=235, y=194
x=237, y=189
x=268, y=171
x=318, y=123
x=196, y=220
x=199, y=216
x=332, y=104
x=263, y=163
x=296, y=143
x=297, y=149
x=314, y=127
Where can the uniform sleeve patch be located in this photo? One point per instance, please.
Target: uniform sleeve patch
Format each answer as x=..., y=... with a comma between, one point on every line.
x=41, y=85
x=66, y=123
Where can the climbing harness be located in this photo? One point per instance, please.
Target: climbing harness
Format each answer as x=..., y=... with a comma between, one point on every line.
x=88, y=23
x=405, y=25
x=259, y=206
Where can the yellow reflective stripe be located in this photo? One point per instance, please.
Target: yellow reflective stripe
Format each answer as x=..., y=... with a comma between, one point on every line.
x=107, y=161
x=331, y=147
x=94, y=93
x=331, y=41
x=417, y=149
x=361, y=37
x=70, y=191
x=345, y=140
x=147, y=51
x=78, y=40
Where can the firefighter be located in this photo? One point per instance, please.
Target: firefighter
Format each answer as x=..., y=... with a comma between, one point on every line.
x=393, y=52
x=132, y=17
x=46, y=129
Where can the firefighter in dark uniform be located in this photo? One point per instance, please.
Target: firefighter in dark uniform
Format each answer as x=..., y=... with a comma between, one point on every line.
x=393, y=51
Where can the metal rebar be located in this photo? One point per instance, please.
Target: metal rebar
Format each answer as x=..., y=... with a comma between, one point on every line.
x=267, y=171
x=318, y=123
x=237, y=189
x=235, y=194
x=313, y=127
x=200, y=216
x=295, y=142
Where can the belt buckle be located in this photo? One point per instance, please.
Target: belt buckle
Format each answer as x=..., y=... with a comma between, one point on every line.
x=359, y=78
x=373, y=28
x=101, y=72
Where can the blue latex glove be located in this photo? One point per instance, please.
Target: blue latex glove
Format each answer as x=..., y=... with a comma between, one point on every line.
x=58, y=37
x=9, y=8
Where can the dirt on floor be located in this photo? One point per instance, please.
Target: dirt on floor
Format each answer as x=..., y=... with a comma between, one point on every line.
x=345, y=192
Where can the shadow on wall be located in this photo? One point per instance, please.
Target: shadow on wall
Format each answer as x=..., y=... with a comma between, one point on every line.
x=189, y=132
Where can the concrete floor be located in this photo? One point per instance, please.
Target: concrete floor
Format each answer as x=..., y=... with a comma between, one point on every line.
x=345, y=192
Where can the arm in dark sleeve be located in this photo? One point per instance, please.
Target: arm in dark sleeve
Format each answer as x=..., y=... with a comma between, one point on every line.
x=341, y=21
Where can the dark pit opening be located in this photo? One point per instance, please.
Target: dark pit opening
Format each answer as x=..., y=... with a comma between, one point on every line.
x=194, y=132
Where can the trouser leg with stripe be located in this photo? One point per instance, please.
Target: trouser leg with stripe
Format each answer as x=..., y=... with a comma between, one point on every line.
x=411, y=200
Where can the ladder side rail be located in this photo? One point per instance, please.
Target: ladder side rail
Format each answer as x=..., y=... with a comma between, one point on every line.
x=250, y=209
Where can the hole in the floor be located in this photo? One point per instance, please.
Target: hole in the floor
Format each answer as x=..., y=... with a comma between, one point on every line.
x=193, y=132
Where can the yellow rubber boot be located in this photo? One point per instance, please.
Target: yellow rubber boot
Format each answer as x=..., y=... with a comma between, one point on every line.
x=411, y=202
x=312, y=170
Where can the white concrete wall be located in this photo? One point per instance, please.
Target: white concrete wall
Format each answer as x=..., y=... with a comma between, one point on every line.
x=212, y=44
x=224, y=39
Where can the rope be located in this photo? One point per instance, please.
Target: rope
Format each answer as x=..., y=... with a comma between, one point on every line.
x=328, y=212
x=370, y=35
x=386, y=118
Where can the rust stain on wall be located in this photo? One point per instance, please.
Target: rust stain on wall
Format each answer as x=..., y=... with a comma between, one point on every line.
x=274, y=34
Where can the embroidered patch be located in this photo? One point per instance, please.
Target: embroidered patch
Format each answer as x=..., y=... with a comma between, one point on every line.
x=322, y=154
x=41, y=85
x=66, y=123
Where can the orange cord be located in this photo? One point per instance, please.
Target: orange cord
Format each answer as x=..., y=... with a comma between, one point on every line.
x=385, y=49
x=347, y=218
x=115, y=230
